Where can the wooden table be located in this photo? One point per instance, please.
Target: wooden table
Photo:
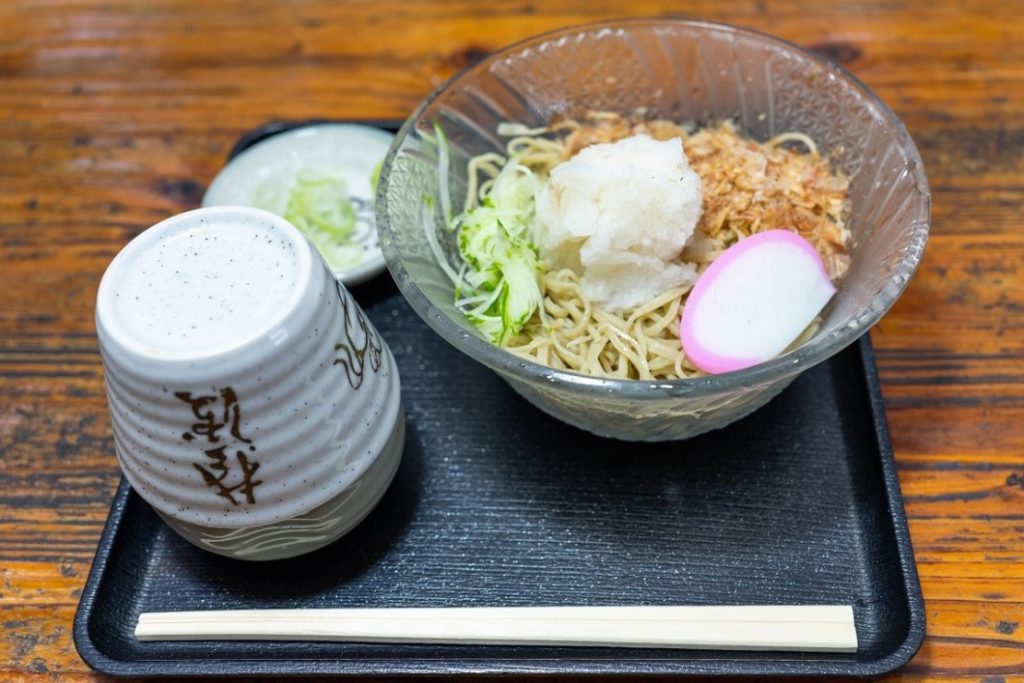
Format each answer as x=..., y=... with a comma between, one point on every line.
x=115, y=114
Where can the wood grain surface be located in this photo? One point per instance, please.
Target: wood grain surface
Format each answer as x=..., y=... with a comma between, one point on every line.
x=115, y=114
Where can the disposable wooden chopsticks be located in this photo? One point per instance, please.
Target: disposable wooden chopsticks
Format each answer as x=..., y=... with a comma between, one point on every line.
x=808, y=628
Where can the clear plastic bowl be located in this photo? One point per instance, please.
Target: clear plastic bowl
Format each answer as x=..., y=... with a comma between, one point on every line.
x=683, y=71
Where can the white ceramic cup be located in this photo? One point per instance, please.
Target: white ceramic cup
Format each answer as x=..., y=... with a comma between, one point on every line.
x=253, y=405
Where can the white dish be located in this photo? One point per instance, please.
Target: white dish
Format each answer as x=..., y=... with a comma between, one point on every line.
x=352, y=151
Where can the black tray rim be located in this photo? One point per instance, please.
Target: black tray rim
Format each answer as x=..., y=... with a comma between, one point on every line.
x=103, y=663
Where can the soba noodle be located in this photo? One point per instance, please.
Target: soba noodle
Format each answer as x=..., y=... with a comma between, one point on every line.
x=747, y=187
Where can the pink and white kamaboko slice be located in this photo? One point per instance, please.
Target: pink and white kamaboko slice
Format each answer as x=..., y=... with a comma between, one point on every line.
x=753, y=301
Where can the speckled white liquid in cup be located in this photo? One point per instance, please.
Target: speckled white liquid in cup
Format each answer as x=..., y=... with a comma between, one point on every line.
x=253, y=405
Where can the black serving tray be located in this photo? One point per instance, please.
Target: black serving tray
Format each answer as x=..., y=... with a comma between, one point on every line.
x=497, y=504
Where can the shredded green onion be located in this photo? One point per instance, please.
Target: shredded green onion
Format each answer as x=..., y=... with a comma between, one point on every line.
x=317, y=203
x=497, y=288
x=375, y=176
